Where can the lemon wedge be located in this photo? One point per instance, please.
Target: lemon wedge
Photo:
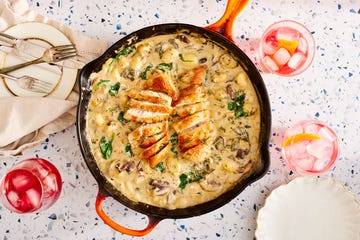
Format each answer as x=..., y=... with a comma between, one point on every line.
x=300, y=137
x=288, y=45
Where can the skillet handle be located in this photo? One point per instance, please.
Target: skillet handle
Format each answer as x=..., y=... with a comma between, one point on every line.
x=153, y=221
x=225, y=24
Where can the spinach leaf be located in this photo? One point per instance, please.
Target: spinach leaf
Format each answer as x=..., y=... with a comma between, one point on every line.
x=160, y=167
x=174, y=142
x=114, y=89
x=238, y=106
x=123, y=52
x=106, y=146
x=121, y=116
x=165, y=66
x=128, y=149
x=143, y=74
x=187, y=178
x=103, y=82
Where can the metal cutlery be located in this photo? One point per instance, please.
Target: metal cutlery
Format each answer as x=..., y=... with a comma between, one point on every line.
x=51, y=55
x=30, y=83
x=30, y=50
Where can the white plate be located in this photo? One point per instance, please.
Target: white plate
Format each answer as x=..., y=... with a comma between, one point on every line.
x=308, y=208
x=42, y=34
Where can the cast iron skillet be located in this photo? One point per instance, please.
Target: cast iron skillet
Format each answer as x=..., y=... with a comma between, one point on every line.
x=156, y=214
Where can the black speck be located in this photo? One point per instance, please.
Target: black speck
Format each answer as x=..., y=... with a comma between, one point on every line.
x=317, y=114
x=53, y=216
x=291, y=173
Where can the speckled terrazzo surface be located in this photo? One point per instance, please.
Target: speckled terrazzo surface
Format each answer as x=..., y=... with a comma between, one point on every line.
x=328, y=91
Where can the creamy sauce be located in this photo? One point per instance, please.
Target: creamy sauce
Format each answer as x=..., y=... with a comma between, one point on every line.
x=178, y=181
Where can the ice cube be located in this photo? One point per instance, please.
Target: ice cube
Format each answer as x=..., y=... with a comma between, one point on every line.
x=327, y=134
x=286, y=33
x=34, y=197
x=14, y=199
x=305, y=163
x=21, y=182
x=296, y=60
x=50, y=182
x=320, y=164
x=281, y=57
x=320, y=149
x=297, y=150
x=269, y=48
x=270, y=64
x=302, y=46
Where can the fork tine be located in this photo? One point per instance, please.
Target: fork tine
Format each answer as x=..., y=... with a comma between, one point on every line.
x=44, y=87
x=62, y=56
x=66, y=46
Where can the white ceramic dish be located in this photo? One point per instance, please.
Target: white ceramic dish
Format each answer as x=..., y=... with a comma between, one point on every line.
x=42, y=34
x=308, y=208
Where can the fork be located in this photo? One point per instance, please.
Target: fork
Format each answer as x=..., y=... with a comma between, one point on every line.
x=50, y=55
x=30, y=83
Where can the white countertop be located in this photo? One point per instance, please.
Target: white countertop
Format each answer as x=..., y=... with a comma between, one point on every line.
x=328, y=91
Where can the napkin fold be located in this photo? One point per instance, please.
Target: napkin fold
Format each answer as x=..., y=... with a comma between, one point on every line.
x=27, y=121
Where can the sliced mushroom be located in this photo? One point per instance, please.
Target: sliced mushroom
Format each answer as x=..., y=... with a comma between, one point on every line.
x=128, y=166
x=210, y=185
x=160, y=187
x=219, y=143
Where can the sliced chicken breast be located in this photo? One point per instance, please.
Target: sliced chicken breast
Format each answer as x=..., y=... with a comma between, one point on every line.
x=186, y=110
x=198, y=153
x=162, y=82
x=159, y=157
x=149, y=107
x=195, y=135
x=137, y=136
x=138, y=115
x=155, y=148
x=195, y=75
x=191, y=121
x=151, y=96
x=150, y=140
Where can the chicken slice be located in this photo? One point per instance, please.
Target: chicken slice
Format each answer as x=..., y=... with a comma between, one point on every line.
x=193, y=89
x=186, y=110
x=198, y=153
x=190, y=99
x=191, y=121
x=137, y=136
x=162, y=82
x=138, y=115
x=195, y=75
x=149, y=107
x=155, y=148
x=159, y=157
x=151, y=96
x=195, y=135
x=150, y=140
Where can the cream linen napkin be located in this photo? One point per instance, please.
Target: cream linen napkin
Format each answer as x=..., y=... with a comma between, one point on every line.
x=27, y=121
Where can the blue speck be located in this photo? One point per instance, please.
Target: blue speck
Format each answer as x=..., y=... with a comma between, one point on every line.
x=156, y=15
x=68, y=164
x=339, y=6
x=45, y=147
x=118, y=26
x=352, y=11
x=350, y=74
x=182, y=226
x=317, y=114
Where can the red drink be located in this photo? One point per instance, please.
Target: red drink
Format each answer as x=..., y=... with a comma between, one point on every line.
x=310, y=147
x=286, y=48
x=33, y=184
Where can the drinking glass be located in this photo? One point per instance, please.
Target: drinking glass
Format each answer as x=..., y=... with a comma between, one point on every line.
x=286, y=48
x=31, y=185
x=310, y=147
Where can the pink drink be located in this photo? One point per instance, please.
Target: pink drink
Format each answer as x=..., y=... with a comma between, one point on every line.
x=287, y=48
x=33, y=184
x=311, y=156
